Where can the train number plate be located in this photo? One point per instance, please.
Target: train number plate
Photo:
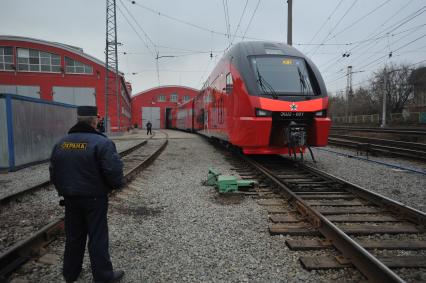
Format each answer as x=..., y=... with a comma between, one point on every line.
x=290, y=115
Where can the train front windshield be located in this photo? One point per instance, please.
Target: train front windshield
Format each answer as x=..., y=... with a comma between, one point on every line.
x=280, y=75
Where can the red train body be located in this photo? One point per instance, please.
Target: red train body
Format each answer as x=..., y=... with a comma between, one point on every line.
x=265, y=98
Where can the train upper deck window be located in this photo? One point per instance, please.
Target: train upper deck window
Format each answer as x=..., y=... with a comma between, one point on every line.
x=281, y=75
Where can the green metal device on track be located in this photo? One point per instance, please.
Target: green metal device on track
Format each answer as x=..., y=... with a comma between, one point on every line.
x=226, y=183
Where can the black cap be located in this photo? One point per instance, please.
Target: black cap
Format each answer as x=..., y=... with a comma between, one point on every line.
x=87, y=111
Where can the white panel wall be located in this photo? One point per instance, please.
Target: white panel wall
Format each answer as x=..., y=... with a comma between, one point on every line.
x=151, y=114
x=75, y=95
x=24, y=90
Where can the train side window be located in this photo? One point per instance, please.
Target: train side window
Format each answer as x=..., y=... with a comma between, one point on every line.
x=229, y=83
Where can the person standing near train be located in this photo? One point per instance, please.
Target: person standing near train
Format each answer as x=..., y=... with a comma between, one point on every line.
x=84, y=168
x=149, y=128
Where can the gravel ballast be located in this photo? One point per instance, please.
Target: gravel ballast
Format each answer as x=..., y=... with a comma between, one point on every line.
x=400, y=185
x=168, y=227
x=13, y=182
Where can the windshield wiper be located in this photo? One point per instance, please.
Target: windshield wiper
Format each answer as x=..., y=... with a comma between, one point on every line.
x=302, y=80
x=304, y=84
x=264, y=85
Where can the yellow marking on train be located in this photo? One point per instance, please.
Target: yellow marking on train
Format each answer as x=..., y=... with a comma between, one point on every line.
x=74, y=145
x=287, y=62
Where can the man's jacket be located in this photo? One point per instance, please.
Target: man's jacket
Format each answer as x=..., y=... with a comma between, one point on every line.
x=85, y=163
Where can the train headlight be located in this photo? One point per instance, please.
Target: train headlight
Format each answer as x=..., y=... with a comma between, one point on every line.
x=263, y=113
x=322, y=113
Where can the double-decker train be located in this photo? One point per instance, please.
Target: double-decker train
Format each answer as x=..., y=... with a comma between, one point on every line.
x=262, y=97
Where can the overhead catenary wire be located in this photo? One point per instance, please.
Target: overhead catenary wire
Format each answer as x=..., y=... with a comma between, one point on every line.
x=374, y=34
x=227, y=20
x=137, y=33
x=196, y=26
x=384, y=56
x=140, y=27
x=251, y=19
x=324, y=23
x=334, y=27
x=370, y=39
x=239, y=22
x=359, y=19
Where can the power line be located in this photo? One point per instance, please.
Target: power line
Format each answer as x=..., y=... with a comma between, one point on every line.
x=160, y=14
x=140, y=27
x=328, y=18
x=332, y=29
x=227, y=23
x=360, y=19
x=371, y=37
x=252, y=16
x=239, y=22
x=382, y=58
x=137, y=33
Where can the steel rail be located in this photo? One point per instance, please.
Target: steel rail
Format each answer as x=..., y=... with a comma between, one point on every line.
x=377, y=141
x=13, y=196
x=404, y=211
x=383, y=149
x=369, y=265
x=22, y=251
x=380, y=130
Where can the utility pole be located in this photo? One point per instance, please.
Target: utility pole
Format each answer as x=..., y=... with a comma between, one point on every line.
x=385, y=85
x=348, y=91
x=290, y=22
x=157, y=67
x=111, y=59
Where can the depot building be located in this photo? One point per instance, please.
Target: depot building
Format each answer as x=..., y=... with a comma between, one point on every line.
x=62, y=73
x=155, y=105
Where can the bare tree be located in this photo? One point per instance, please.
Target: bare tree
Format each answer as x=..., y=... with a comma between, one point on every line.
x=393, y=82
x=336, y=105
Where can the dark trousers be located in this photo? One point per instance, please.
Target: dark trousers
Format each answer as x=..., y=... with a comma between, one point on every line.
x=148, y=131
x=86, y=216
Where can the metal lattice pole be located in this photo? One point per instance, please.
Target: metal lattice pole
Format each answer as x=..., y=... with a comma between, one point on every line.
x=111, y=60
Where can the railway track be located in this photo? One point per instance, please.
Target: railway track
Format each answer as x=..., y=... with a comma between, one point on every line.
x=405, y=131
x=12, y=196
x=22, y=218
x=387, y=147
x=384, y=239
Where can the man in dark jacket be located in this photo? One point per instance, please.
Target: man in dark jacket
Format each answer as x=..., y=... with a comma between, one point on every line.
x=148, y=128
x=85, y=167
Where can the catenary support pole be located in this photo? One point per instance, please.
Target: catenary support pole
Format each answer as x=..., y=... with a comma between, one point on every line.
x=290, y=23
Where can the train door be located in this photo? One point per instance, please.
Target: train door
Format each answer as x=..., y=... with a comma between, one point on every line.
x=151, y=114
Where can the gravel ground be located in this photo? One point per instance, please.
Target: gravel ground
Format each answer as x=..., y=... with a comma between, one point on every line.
x=12, y=182
x=177, y=230
x=404, y=186
x=19, y=219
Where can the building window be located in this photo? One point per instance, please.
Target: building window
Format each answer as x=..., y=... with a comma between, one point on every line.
x=38, y=61
x=186, y=98
x=76, y=67
x=161, y=98
x=173, y=97
x=6, y=58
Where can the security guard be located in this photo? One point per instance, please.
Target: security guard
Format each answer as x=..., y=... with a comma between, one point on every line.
x=84, y=168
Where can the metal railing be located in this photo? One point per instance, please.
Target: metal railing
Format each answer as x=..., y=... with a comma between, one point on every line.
x=395, y=118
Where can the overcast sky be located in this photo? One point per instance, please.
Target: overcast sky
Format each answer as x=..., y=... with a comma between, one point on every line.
x=189, y=30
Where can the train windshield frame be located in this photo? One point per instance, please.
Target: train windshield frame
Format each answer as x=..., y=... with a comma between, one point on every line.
x=281, y=75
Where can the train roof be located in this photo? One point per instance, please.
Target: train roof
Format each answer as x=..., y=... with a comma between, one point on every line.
x=248, y=48
x=239, y=53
